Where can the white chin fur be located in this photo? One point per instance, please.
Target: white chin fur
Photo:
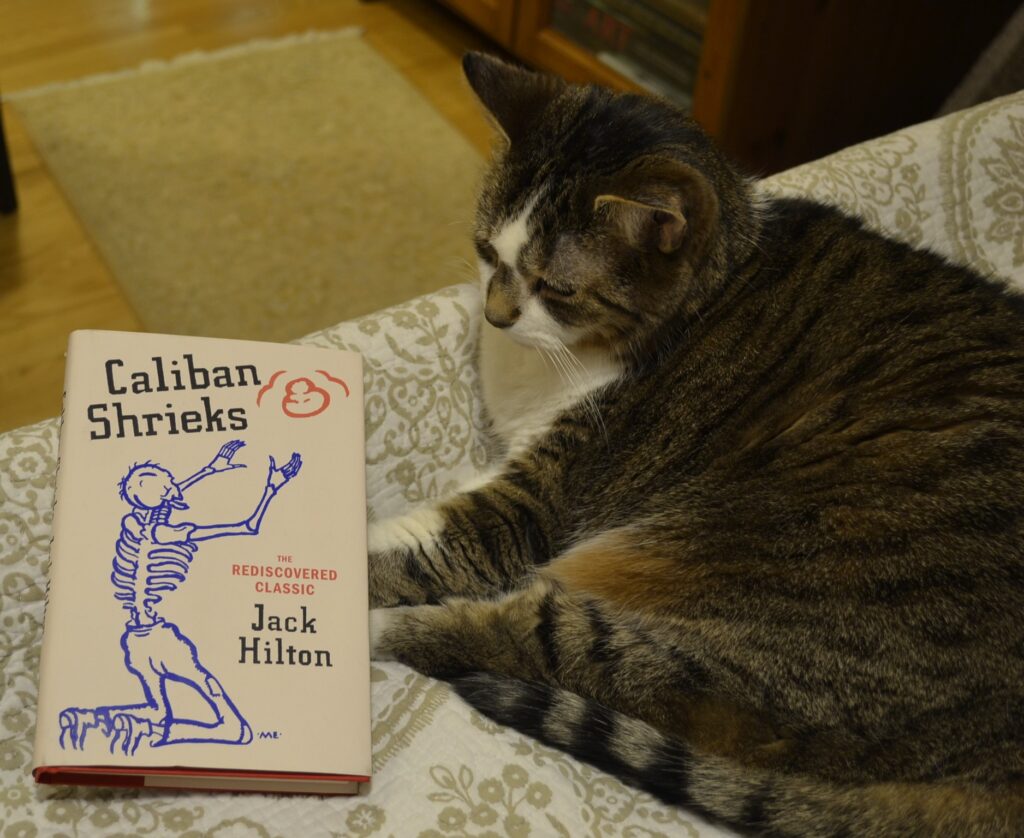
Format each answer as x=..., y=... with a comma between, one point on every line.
x=524, y=390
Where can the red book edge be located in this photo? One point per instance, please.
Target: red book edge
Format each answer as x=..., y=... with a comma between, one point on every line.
x=135, y=778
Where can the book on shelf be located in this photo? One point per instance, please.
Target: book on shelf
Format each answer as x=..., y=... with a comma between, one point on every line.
x=206, y=617
x=641, y=52
x=692, y=14
x=684, y=43
x=640, y=75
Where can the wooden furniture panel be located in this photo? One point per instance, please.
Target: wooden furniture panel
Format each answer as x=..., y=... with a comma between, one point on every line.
x=494, y=18
x=780, y=83
x=783, y=83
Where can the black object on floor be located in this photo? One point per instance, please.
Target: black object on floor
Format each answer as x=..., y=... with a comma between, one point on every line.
x=8, y=199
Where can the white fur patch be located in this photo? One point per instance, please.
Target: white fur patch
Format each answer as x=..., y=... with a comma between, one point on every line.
x=486, y=272
x=382, y=619
x=511, y=238
x=405, y=532
x=525, y=390
x=477, y=481
x=536, y=327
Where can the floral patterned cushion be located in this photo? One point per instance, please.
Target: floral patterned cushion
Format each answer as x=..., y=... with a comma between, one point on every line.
x=955, y=185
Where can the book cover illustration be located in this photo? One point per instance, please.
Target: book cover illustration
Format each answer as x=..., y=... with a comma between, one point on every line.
x=207, y=600
x=152, y=557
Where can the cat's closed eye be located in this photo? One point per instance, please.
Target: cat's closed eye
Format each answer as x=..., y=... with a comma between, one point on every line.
x=542, y=285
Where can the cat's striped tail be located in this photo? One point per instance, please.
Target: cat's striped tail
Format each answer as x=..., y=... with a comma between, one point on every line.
x=749, y=800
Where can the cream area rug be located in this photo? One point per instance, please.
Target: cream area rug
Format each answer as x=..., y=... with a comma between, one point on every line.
x=263, y=191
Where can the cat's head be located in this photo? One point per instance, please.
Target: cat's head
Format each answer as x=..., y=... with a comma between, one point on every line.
x=604, y=217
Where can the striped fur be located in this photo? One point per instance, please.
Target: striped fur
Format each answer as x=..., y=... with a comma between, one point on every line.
x=769, y=563
x=752, y=800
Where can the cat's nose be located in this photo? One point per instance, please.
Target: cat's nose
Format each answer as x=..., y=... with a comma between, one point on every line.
x=503, y=319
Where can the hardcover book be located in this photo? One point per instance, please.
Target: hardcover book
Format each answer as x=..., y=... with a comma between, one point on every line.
x=206, y=620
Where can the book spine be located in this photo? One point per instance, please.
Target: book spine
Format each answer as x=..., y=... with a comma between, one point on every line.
x=589, y=26
x=45, y=731
x=692, y=14
x=652, y=23
x=651, y=54
x=617, y=30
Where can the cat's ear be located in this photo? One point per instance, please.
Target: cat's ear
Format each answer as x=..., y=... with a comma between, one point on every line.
x=661, y=204
x=514, y=97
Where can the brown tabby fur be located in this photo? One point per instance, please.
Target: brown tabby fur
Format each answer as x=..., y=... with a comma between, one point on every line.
x=775, y=572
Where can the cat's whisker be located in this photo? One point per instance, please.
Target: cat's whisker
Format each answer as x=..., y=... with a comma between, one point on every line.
x=559, y=354
x=543, y=357
x=576, y=362
x=562, y=371
x=577, y=373
x=463, y=264
x=549, y=357
x=572, y=378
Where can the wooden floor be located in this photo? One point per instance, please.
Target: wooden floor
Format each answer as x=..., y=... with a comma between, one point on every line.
x=52, y=280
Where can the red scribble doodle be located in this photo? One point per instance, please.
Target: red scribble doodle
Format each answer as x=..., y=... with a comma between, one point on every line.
x=330, y=377
x=303, y=399
x=269, y=386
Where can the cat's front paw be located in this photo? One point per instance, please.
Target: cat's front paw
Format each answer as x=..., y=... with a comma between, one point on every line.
x=415, y=531
x=383, y=624
x=393, y=545
x=382, y=592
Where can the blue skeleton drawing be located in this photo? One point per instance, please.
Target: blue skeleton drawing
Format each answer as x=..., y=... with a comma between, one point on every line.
x=152, y=558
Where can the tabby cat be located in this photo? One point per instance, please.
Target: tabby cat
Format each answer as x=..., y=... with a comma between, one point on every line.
x=761, y=553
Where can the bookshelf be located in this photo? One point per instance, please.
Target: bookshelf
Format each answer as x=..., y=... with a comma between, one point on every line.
x=776, y=82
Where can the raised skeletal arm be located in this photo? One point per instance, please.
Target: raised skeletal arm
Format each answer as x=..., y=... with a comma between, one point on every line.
x=220, y=463
x=277, y=478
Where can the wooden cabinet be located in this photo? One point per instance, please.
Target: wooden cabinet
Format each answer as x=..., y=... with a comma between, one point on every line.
x=495, y=18
x=776, y=82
